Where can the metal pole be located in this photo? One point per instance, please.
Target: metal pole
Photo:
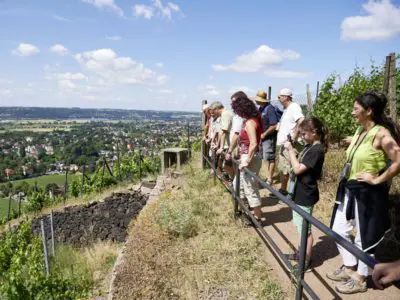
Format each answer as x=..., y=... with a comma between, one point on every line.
x=269, y=92
x=316, y=96
x=19, y=205
x=214, y=167
x=188, y=138
x=302, y=258
x=140, y=165
x=237, y=190
x=9, y=208
x=203, y=143
x=83, y=179
x=52, y=234
x=119, y=163
x=46, y=260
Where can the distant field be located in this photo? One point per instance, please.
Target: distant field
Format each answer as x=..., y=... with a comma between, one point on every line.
x=4, y=206
x=36, y=129
x=43, y=180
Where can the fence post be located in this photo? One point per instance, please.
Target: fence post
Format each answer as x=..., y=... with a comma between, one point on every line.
x=302, y=258
x=66, y=186
x=52, y=234
x=269, y=92
x=46, y=259
x=236, y=191
x=214, y=166
x=392, y=87
x=19, y=204
x=188, y=139
x=203, y=143
x=309, y=100
x=140, y=165
x=83, y=178
x=9, y=208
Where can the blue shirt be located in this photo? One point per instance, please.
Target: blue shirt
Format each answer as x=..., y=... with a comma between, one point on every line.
x=269, y=118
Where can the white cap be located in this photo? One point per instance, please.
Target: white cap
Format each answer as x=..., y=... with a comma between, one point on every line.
x=286, y=92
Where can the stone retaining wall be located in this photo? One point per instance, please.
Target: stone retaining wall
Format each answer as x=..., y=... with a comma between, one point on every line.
x=106, y=220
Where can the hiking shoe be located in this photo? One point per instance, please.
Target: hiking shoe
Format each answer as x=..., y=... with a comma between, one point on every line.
x=292, y=256
x=352, y=286
x=339, y=274
x=295, y=270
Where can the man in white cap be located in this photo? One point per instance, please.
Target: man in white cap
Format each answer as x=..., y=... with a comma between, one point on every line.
x=288, y=130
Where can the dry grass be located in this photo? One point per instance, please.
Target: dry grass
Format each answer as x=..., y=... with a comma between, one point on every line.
x=187, y=246
x=90, y=266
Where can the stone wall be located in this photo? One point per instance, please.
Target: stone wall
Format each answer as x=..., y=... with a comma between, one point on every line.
x=105, y=220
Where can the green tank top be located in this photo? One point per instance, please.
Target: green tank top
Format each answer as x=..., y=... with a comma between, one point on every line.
x=366, y=158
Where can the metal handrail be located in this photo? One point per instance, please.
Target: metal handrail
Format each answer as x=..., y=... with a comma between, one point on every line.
x=307, y=219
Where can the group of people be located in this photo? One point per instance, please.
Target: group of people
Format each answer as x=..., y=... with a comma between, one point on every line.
x=254, y=130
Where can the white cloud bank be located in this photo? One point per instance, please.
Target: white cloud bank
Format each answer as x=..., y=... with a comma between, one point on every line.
x=59, y=49
x=381, y=22
x=107, y=5
x=25, y=50
x=258, y=59
x=156, y=9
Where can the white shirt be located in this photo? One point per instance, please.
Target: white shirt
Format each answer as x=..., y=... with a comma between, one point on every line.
x=237, y=125
x=288, y=121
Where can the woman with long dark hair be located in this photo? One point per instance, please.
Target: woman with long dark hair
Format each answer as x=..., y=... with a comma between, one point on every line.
x=249, y=141
x=373, y=159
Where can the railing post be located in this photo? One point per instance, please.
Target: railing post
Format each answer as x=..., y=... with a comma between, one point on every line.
x=236, y=191
x=203, y=143
x=214, y=154
x=302, y=258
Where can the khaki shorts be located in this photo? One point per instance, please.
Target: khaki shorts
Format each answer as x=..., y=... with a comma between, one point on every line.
x=284, y=165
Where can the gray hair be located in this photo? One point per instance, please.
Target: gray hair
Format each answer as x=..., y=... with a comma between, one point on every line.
x=216, y=105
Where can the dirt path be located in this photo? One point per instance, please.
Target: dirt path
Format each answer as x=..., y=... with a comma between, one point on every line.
x=325, y=257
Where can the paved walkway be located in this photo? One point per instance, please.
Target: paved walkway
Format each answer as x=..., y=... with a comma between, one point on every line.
x=325, y=255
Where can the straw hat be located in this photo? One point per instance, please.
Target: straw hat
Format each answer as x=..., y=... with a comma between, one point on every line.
x=261, y=97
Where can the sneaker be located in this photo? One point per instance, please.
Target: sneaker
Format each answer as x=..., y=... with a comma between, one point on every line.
x=339, y=274
x=292, y=256
x=352, y=286
x=295, y=270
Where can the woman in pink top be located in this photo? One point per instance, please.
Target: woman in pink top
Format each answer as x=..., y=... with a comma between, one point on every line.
x=249, y=141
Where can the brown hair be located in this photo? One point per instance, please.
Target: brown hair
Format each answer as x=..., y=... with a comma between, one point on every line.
x=314, y=124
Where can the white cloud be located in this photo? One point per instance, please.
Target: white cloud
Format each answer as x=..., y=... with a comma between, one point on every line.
x=258, y=60
x=106, y=4
x=25, y=50
x=382, y=22
x=114, y=69
x=113, y=38
x=6, y=93
x=208, y=90
x=60, y=18
x=59, y=49
x=156, y=9
x=240, y=88
x=71, y=76
x=5, y=81
x=286, y=74
x=159, y=65
x=145, y=11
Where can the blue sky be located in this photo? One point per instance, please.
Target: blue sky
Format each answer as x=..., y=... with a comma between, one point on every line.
x=163, y=55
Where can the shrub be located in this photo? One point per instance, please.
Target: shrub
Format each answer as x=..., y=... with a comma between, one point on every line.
x=177, y=218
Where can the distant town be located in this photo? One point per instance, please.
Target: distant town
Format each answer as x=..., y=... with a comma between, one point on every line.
x=39, y=141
